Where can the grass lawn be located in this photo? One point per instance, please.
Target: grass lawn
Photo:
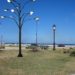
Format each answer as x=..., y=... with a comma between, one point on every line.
x=43, y=62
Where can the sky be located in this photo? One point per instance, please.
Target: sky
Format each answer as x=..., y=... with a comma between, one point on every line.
x=58, y=12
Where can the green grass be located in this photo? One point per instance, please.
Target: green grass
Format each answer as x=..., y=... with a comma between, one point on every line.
x=43, y=62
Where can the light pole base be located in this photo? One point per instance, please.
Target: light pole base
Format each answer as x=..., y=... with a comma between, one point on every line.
x=20, y=55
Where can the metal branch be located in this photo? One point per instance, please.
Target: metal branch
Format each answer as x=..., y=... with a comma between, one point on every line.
x=16, y=2
x=15, y=9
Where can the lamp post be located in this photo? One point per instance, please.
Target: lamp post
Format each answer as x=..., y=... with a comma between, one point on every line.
x=54, y=29
x=36, y=20
x=20, y=16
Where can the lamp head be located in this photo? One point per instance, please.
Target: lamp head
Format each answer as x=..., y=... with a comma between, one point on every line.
x=2, y=17
x=12, y=10
x=9, y=1
x=33, y=0
x=31, y=13
x=5, y=10
x=36, y=18
x=54, y=27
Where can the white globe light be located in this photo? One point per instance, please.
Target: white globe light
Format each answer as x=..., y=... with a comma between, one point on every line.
x=54, y=27
x=9, y=1
x=31, y=13
x=33, y=0
x=12, y=10
x=37, y=18
x=2, y=17
x=5, y=10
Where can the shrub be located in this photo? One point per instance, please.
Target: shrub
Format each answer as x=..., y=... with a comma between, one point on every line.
x=66, y=50
x=34, y=47
x=72, y=53
x=2, y=47
x=44, y=47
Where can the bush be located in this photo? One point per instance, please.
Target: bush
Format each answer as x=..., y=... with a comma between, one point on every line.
x=2, y=47
x=66, y=50
x=34, y=47
x=44, y=47
x=28, y=47
x=72, y=53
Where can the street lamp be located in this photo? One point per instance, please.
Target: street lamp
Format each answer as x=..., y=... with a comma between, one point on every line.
x=36, y=43
x=19, y=18
x=54, y=29
x=36, y=20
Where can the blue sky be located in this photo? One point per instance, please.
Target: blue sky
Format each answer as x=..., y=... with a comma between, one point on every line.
x=58, y=12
